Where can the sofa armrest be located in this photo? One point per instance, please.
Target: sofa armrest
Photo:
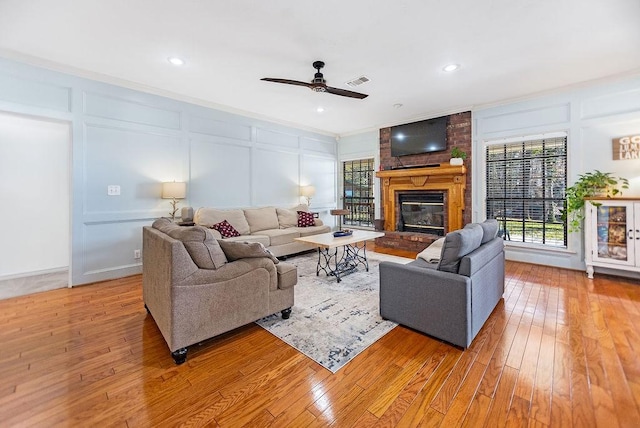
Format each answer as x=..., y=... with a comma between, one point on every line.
x=232, y=271
x=434, y=302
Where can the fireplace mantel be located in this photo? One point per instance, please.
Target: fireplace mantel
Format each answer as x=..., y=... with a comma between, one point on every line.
x=444, y=177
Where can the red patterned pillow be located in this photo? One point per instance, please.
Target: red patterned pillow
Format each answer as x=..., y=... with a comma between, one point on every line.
x=305, y=219
x=225, y=229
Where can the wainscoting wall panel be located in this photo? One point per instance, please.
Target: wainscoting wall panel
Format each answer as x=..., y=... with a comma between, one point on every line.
x=220, y=174
x=219, y=128
x=275, y=177
x=128, y=111
x=545, y=115
x=266, y=136
x=33, y=93
x=136, y=161
x=109, y=247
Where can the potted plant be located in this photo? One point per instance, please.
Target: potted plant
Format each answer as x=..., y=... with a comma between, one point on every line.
x=457, y=156
x=589, y=185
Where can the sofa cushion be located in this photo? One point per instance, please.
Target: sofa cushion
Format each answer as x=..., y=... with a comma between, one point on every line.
x=489, y=230
x=287, y=218
x=305, y=219
x=225, y=229
x=263, y=239
x=281, y=236
x=164, y=225
x=246, y=250
x=261, y=218
x=458, y=244
x=312, y=230
x=209, y=216
x=201, y=246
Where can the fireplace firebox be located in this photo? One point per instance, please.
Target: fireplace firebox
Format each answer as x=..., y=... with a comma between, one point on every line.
x=422, y=212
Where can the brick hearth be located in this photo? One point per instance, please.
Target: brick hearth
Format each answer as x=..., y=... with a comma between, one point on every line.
x=409, y=241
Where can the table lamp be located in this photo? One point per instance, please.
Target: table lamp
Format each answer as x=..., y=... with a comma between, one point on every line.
x=174, y=190
x=307, y=192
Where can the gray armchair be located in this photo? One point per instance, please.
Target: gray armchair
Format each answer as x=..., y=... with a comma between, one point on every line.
x=450, y=300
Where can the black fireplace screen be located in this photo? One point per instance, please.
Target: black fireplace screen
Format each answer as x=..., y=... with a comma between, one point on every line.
x=423, y=213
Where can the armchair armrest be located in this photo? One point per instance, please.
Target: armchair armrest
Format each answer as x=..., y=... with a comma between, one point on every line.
x=232, y=271
x=434, y=302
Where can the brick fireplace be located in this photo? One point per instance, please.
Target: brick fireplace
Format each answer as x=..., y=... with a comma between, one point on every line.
x=409, y=174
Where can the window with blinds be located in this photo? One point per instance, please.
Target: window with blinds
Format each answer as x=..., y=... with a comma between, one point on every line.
x=525, y=190
x=357, y=177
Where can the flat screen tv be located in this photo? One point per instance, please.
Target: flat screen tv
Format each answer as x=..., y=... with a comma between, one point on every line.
x=419, y=137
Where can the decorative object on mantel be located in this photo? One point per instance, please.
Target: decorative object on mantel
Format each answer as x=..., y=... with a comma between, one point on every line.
x=307, y=192
x=174, y=190
x=457, y=156
x=626, y=148
x=590, y=185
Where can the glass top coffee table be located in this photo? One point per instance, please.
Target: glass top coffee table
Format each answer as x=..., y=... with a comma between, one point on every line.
x=353, y=254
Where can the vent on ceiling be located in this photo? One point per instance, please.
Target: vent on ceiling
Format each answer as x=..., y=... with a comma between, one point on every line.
x=357, y=82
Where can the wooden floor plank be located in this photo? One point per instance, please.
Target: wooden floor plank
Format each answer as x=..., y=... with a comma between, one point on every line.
x=558, y=350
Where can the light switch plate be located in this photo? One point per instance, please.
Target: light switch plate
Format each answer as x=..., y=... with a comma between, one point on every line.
x=113, y=190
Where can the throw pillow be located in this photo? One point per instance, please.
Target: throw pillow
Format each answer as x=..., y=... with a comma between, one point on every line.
x=458, y=244
x=242, y=250
x=305, y=219
x=225, y=229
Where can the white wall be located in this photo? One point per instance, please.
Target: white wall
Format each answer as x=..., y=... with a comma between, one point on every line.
x=137, y=140
x=34, y=188
x=591, y=116
x=365, y=145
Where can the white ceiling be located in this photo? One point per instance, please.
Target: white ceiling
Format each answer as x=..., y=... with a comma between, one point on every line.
x=507, y=49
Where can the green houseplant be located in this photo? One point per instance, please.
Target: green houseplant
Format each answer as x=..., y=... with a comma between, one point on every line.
x=589, y=185
x=457, y=156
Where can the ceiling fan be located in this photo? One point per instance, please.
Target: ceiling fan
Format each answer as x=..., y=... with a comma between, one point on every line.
x=318, y=84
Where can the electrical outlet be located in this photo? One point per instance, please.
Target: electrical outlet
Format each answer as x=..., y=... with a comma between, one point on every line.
x=136, y=254
x=113, y=190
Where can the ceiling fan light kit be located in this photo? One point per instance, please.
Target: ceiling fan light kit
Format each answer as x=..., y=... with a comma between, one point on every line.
x=318, y=84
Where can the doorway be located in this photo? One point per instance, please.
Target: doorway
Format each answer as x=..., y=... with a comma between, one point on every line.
x=35, y=188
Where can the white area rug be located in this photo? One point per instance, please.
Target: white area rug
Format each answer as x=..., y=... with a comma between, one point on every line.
x=333, y=322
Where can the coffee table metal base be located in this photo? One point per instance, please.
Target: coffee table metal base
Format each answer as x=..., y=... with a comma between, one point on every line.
x=352, y=256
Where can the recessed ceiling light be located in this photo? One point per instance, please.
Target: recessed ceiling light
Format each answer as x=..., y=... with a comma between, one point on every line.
x=320, y=109
x=451, y=67
x=175, y=60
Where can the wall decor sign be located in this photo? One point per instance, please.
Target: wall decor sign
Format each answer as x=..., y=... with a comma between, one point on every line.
x=626, y=147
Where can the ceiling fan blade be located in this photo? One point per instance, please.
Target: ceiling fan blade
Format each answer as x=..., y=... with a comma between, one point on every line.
x=287, y=81
x=345, y=93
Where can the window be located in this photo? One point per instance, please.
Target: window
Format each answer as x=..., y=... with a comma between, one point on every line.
x=357, y=177
x=525, y=190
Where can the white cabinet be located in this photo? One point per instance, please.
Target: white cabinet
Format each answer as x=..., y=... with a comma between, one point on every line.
x=612, y=234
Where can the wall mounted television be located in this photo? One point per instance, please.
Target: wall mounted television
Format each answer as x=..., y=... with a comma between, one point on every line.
x=425, y=136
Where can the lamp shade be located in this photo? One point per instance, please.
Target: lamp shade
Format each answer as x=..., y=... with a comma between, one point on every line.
x=174, y=189
x=307, y=191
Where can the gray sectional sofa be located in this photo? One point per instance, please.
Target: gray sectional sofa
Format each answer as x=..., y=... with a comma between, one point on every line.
x=275, y=228
x=452, y=299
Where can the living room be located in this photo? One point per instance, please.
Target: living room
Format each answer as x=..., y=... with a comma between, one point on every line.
x=124, y=132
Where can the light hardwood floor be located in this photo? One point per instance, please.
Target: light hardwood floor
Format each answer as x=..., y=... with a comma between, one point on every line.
x=559, y=350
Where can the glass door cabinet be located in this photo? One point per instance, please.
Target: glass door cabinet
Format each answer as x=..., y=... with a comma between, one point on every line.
x=612, y=234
